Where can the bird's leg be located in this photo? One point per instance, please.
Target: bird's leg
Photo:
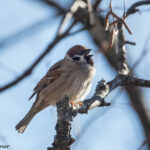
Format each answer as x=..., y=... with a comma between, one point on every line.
x=75, y=104
x=80, y=103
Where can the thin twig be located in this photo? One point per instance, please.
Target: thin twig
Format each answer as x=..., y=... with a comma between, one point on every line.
x=77, y=31
x=90, y=11
x=68, y=15
x=53, y=3
x=97, y=3
x=130, y=43
x=133, y=8
x=28, y=71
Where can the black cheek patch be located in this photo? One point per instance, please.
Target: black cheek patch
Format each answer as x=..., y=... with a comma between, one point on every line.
x=76, y=58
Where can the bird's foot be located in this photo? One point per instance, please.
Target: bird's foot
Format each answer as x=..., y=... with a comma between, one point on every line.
x=72, y=103
x=80, y=103
x=75, y=104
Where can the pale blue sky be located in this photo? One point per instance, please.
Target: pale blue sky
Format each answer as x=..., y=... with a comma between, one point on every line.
x=115, y=128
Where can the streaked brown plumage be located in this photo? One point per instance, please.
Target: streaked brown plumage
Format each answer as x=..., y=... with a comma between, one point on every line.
x=72, y=76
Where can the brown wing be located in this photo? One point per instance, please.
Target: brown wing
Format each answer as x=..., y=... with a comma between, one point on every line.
x=53, y=73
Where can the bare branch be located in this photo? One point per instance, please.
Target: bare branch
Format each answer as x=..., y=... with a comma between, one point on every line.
x=133, y=8
x=77, y=31
x=130, y=43
x=100, y=38
x=96, y=4
x=54, y=4
x=144, y=143
x=36, y=62
x=90, y=11
x=29, y=70
x=103, y=88
x=75, y=6
x=65, y=114
x=138, y=82
x=121, y=52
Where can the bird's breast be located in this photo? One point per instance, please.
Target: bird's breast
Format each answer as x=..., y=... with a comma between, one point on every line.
x=74, y=82
x=78, y=85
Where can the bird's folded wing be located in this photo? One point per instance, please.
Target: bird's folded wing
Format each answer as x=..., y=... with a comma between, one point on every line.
x=53, y=73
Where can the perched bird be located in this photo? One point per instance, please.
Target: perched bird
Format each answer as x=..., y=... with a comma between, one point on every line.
x=70, y=76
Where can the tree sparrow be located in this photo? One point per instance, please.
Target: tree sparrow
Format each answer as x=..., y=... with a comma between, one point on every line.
x=71, y=76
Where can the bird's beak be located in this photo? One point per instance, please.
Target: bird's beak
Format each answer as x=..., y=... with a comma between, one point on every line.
x=87, y=51
x=88, y=56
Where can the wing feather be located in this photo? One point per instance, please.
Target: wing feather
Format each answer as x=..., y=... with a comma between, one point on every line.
x=53, y=73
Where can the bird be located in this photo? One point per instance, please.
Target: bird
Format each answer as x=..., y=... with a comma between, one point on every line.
x=71, y=76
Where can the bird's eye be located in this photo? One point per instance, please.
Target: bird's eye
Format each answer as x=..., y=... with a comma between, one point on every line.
x=76, y=58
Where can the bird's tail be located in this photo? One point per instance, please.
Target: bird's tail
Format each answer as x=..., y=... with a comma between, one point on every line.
x=21, y=126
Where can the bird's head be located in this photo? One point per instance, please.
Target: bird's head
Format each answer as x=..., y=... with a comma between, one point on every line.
x=79, y=54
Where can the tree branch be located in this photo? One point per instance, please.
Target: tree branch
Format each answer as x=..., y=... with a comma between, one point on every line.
x=54, y=4
x=65, y=114
x=28, y=71
x=103, y=89
x=121, y=51
x=133, y=8
x=101, y=38
x=123, y=78
x=138, y=82
x=95, y=7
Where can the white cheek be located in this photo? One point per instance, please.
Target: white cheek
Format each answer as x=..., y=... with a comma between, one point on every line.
x=82, y=59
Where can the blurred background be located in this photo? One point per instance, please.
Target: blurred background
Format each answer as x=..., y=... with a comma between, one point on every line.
x=27, y=27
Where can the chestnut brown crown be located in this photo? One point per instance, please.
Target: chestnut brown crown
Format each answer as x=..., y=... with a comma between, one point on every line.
x=79, y=53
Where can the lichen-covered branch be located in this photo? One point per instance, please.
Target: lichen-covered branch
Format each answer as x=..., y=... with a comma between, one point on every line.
x=65, y=114
x=121, y=51
x=103, y=89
